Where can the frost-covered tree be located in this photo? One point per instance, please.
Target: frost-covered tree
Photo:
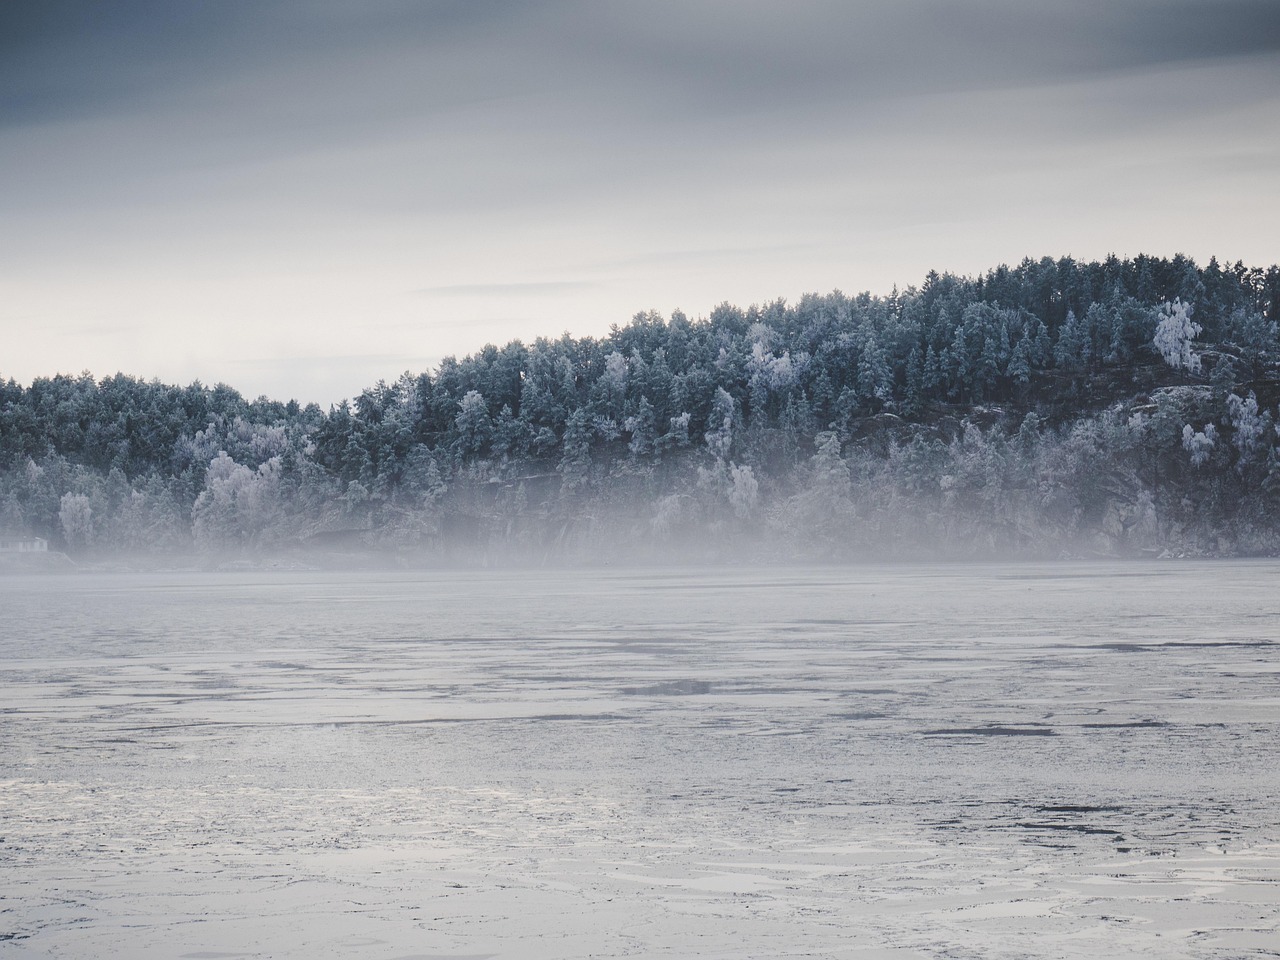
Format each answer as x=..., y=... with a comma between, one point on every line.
x=510, y=434
x=1029, y=434
x=1174, y=333
x=744, y=490
x=473, y=423
x=421, y=478
x=238, y=505
x=875, y=376
x=767, y=376
x=75, y=515
x=1199, y=444
x=1019, y=367
x=575, y=462
x=355, y=497
x=614, y=382
x=1248, y=425
x=641, y=427
x=1072, y=351
x=830, y=471
x=719, y=435
x=677, y=435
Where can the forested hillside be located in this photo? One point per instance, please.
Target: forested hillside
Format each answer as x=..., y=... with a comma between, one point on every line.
x=1053, y=408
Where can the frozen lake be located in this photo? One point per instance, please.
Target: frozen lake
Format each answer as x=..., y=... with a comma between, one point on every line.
x=963, y=762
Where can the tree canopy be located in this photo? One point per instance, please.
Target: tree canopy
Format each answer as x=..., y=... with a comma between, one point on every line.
x=1051, y=406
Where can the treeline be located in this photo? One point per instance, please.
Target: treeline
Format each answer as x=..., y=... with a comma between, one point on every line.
x=1054, y=407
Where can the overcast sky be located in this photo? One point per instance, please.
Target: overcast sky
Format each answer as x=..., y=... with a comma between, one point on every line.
x=301, y=198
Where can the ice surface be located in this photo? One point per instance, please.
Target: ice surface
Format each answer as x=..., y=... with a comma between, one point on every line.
x=985, y=762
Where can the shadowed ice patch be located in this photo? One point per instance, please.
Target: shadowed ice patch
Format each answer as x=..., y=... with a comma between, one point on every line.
x=991, y=732
x=673, y=688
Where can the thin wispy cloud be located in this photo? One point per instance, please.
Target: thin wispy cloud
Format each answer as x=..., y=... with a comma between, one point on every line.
x=546, y=288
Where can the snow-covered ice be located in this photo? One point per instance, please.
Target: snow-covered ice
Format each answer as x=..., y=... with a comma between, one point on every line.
x=987, y=762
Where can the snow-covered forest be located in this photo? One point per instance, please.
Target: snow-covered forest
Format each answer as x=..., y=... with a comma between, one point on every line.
x=1055, y=408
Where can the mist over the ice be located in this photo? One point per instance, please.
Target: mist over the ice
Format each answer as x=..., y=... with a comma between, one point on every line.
x=1056, y=408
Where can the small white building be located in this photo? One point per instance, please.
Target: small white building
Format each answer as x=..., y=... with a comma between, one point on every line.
x=22, y=544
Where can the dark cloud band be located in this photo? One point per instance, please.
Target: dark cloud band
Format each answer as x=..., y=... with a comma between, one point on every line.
x=74, y=57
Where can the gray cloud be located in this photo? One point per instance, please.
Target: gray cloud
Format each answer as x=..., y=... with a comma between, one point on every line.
x=78, y=57
x=503, y=101
x=296, y=169
x=756, y=253
x=734, y=54
x=505, y=105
